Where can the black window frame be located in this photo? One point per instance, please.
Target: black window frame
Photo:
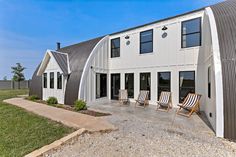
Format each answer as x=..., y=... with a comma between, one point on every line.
x=45, y=80
x=112, y=56
x=51, y=80
x=200, y=32
x=194, y=76
x=149, y=95
x=129, y=90
x=209, y=82
x=158, y=83
x=140, y=42
x=59, y=80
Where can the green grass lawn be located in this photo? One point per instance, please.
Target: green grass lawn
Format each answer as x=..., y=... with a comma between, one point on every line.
x=21, y=132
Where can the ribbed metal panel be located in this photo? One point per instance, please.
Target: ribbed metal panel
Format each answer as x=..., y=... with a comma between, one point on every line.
x=62, y=61
x=78, y=55
x=35, y=87
x=225, y=16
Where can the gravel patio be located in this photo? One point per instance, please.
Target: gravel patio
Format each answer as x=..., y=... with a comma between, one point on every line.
x=147, y=132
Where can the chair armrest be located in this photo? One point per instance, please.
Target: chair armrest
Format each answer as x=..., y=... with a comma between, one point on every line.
x=180, y=105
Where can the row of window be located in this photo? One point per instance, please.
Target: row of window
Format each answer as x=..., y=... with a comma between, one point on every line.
x=51, y=80
x=190, y=37
x=186, y=83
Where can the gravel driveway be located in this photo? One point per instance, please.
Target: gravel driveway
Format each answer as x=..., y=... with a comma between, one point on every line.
x=146, y=132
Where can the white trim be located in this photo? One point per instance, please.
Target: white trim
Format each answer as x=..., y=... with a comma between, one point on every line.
x=86, y=67
x=218, y=75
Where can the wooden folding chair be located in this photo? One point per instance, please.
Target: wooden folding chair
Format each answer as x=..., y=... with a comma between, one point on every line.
x=142, y=98
x=123, y=96
x=190, y=104
x=164, y=103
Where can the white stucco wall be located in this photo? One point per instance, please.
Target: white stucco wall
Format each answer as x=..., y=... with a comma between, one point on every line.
x=167, y=56
x=52, y=66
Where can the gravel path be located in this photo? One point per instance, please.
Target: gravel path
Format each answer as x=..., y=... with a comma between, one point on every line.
x=146, y=133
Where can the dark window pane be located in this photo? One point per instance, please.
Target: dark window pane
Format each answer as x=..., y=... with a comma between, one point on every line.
x=52, y=80
x=163, y=82
x=45, y=80
x=115, y=52
x=146, y=47
x=146, y=41
x=59, y=80
x=191, y=26
x=145, y=82
x=115, y=47
x=129, y=84
x=191, y=40
x=101, y=85
x=146, y=36
x=186, y=84
x=191, y=33
x=209, y=82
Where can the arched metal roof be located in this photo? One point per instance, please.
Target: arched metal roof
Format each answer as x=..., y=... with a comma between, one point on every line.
x=78, y=55
x=225, y=17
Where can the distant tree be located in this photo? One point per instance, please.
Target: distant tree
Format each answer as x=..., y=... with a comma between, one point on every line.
x=18, y=74
x=5, y=78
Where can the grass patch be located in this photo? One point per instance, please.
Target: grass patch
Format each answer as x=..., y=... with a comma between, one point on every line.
x=21, y=132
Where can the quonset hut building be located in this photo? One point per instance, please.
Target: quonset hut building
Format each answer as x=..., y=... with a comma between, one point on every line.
x=191, y=52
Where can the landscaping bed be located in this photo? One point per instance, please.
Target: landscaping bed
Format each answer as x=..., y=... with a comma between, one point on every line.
x=71, y=108
x=21, y=132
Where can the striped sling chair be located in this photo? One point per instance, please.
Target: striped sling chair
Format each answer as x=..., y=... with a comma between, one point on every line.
x=164, y=103
x=191, y=104
x=123, y=96
x=142, y=98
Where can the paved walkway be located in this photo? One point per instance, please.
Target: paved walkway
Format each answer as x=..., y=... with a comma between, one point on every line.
x=69, y=118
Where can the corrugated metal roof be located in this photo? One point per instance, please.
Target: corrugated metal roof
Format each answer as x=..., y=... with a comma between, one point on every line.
x=61, y=59
x=225, y=16
x=78, y=55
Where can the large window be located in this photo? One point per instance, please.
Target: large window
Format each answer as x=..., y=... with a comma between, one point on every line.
x=101, y=85
x=163, y=82
x=191, y=33
x=115, y=47
x=129, y=84
x=59, y=80
x=146, y=41
x=209, y=82
x=51, y=80
x=145, y=82
x=186, y=84
x=44, y=80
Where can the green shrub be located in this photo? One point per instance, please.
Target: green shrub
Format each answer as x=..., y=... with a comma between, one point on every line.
x=33, y=97
x=80, y=105
x=52, y=101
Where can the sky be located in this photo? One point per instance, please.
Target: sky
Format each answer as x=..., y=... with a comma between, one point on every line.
x=29, y=27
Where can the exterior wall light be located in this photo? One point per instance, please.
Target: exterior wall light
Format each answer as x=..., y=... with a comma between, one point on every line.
x=126, y=37
x=164, y=28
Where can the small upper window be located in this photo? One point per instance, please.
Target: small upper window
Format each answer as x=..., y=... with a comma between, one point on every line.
x=191, y=33
x=59, y=80
x=44, y=80
x=115, y=47
x=51, y=80
x=146, y=41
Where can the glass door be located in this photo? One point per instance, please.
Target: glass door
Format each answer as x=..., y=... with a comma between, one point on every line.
x=115, y=86
x=145, y=82
x=164, y=83
x=186, y=84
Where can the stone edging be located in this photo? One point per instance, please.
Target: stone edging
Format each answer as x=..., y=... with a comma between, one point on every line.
x=57, y=144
